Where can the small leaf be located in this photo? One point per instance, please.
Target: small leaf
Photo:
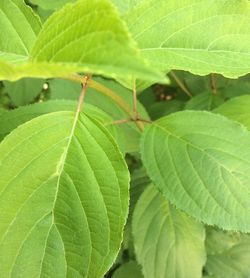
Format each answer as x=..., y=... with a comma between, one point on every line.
x=204, y=101
x=168, y=243
x=201, y=162
x=237, y=109
x=200, y=36
x=239, y=88
x=128, y=270
x=24, y=91
x=228, y=254
x=62, y=213
x=163, y=108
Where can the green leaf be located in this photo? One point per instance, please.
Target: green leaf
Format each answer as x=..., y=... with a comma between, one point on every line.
x=239, y=88
x=19, y=29
x=200, y=161
x=228, y=254
x=24, y=91
x=13, y=71
x=237, y=109
x=128, y=270
x=79, y=43
x=204, y=101
x=163, y=108
x=103, y=48
x=168, y=243
x=62, y=214
x=43, y=14
x=200, y=36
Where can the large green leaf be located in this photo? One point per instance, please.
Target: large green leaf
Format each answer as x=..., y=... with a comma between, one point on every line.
x=19, y=29
x=62, y=213
x=201, y=162
x=200, y=36
x=81, y=40
x=86, y=36
x=168, y=243
x=24, y=91
x=237, y=109
x=228, y=254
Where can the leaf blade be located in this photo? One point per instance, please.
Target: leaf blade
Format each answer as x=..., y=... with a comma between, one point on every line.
x=66, y=202
x=203, y=166
x=108, y=47
x=164, y=235
x=216, y=43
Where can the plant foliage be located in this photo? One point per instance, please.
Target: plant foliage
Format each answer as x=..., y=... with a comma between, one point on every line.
x=124, y=144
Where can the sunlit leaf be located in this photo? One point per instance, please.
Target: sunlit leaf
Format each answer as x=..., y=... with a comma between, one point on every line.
x=200, y=36
x=73, y=40
x=62, y=213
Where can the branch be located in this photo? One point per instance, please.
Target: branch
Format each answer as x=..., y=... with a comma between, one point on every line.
x=83, y=93
x=213, y=83
x=107, y=92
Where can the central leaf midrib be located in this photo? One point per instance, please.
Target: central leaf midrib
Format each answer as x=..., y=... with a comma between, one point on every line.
x=60, y=166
